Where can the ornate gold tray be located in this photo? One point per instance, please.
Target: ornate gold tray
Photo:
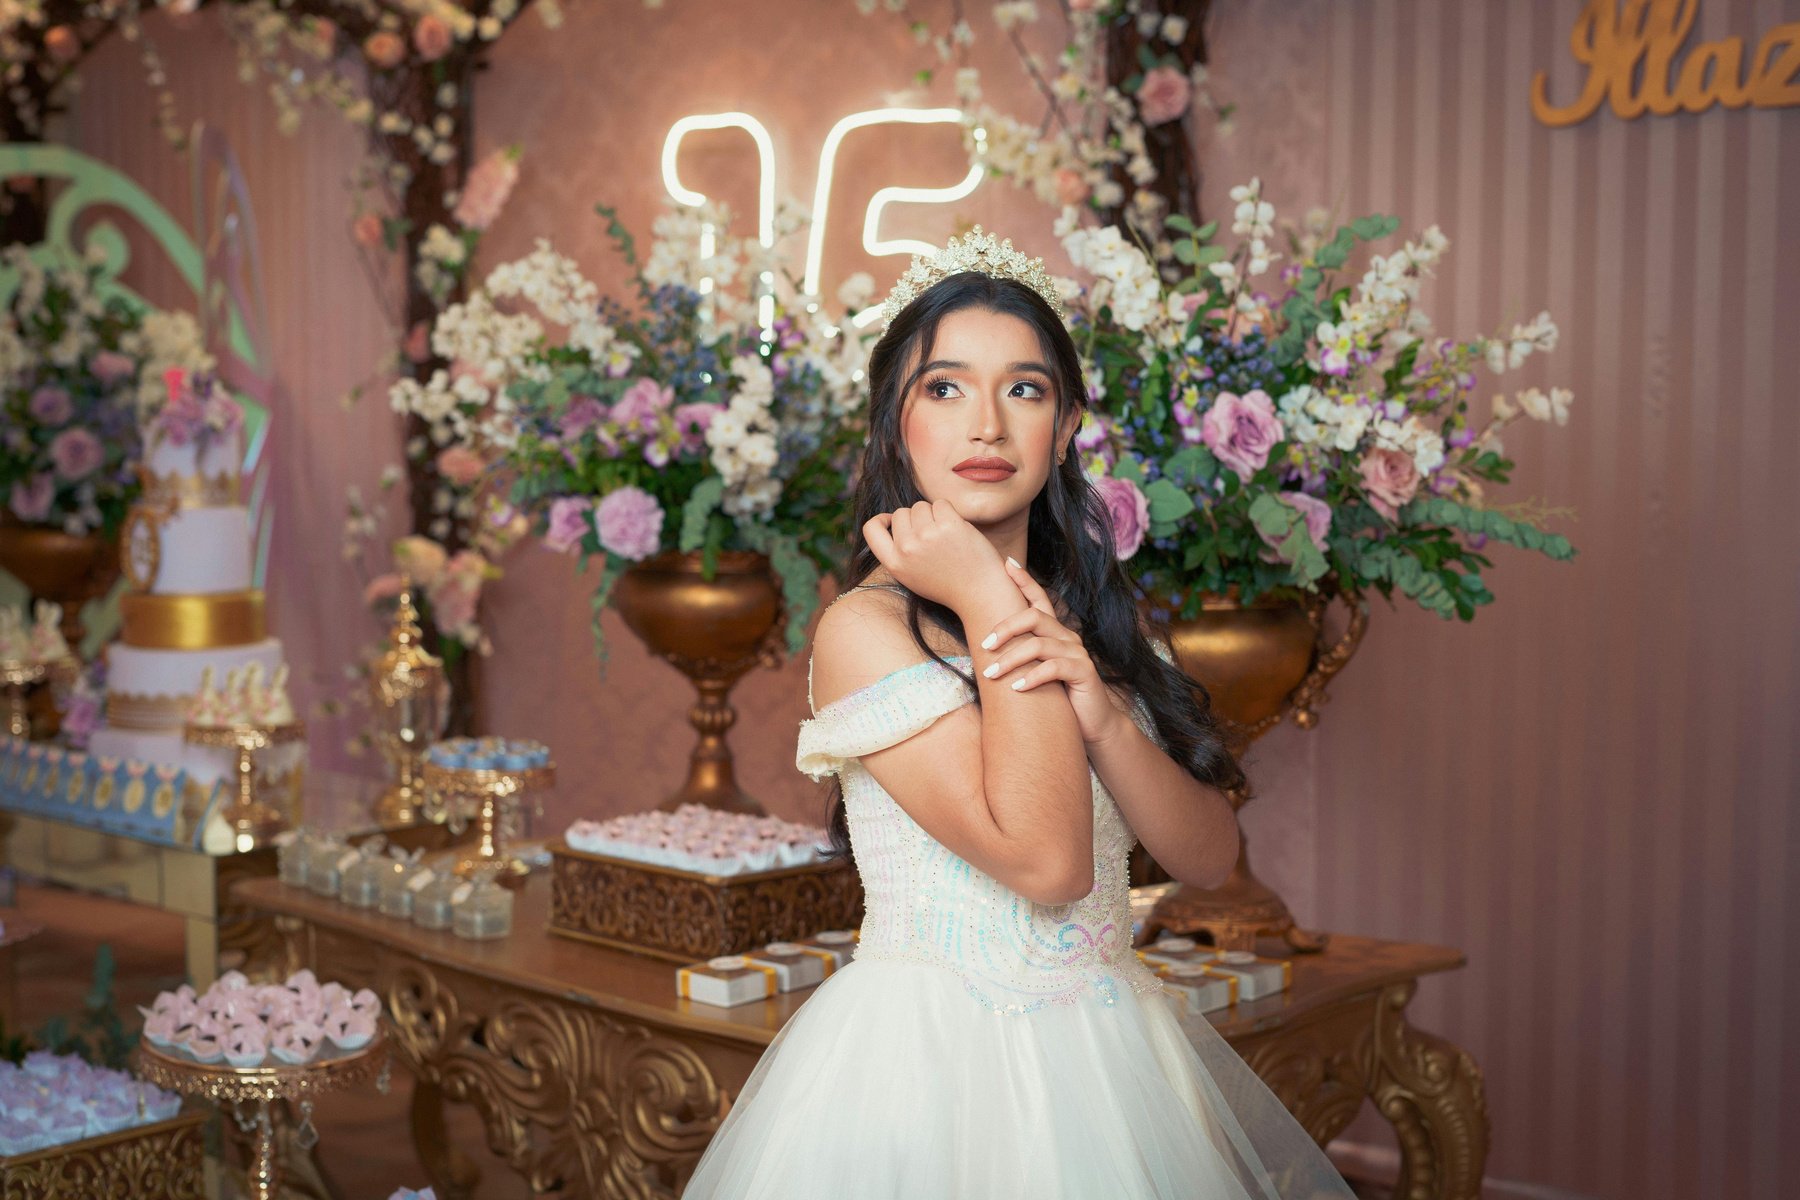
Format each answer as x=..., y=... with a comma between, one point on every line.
x=685, y=916
x=223, y=1083
x=165, y=1160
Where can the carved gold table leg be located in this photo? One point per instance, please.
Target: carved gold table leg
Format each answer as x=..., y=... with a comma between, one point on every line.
x=1431, y=1092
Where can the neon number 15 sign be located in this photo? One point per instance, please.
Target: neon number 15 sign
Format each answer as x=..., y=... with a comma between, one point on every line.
x=815, y=239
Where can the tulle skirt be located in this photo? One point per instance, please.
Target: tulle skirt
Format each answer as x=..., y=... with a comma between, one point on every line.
x=892, y=1081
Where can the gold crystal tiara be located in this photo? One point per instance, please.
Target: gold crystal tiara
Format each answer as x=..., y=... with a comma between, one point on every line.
x=974, y=251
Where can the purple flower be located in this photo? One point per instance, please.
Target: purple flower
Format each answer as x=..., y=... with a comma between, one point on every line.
x=76, y=453
x=30, y=501
x=568, y=522
x=693, y=420
x=629, y=522
x=50, y=405
x=1127, y=510
x=1315, y=512
x=584, y=413
x=1241, y=430
x=110, y=367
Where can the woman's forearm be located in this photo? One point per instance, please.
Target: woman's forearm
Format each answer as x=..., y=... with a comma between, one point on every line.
x=1034, y=769
x=1186, y=826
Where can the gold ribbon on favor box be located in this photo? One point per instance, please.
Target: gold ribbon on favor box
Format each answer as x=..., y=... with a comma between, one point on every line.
x=770, y=984
x=826, y=956
x=1287, y=968
x=1228, y=978
x=197, y=621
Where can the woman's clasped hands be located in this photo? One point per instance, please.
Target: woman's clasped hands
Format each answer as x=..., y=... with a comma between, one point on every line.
x=931, y=550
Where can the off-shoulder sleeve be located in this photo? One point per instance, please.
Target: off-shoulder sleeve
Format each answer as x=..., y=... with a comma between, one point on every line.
x=884, y=713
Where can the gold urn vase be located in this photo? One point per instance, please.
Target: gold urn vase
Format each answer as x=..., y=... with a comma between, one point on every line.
x=714, y=632
x=1259, y=663
x=70, y=569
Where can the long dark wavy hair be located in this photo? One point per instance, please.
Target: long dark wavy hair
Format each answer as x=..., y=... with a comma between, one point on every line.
x=1069, y=542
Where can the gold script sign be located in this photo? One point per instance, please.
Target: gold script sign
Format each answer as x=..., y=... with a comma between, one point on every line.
x=1631, y=54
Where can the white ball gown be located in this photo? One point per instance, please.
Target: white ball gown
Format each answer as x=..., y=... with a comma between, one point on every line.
x=986, y=1047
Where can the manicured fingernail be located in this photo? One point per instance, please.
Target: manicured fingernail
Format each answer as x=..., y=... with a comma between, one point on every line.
x=1017, y=684
x=988, y=642
x=992, y=671
x=1011, y=562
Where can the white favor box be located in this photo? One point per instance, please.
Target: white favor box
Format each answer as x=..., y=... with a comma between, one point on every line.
x=1200, y=987
x=1175, y=950
x=727, y=981
x=796, y=966
x=1257, y=977
x=839, y=943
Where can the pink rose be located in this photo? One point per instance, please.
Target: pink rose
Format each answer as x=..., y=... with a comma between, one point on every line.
x=1315, y=512
x=629, y=522
x=460, y=465
x=1241, y=430
x=421, y=558
x=62, y=43
x=454, y=599
x=431, y=37
x=110, y=367
x=1071, y=188
x=568, y=523
x=1163, y=96
x=367, y=231
x=484, y=193
x=77, y=453
x=383, y=587
x=50, y=405
x=642, y=402
x=384, y=49
x=1127, y=511
x=1390, y=478
x=418, y=342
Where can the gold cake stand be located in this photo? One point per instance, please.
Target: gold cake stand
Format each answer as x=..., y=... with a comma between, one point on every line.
x=223, y=1084
x=253, y=823
x=497, y=794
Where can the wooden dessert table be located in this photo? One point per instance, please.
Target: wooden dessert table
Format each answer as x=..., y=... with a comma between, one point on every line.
x=593, y=1077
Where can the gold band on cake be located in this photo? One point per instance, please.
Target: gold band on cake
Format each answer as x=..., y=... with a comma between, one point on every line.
x=146, y=714
x=193, y=622
x=177, y=491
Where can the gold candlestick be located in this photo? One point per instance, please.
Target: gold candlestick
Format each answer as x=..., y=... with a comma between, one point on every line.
x=17, y=675
x=253, y=822
x=410, y=696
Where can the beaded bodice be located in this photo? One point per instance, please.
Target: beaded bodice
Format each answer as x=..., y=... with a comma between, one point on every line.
x=927, y=904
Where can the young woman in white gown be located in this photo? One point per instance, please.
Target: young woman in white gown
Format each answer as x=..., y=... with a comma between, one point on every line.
x=995, y=1036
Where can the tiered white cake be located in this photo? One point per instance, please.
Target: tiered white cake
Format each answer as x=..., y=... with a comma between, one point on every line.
x=187, y=554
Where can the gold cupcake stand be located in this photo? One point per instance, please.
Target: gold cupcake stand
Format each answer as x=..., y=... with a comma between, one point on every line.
x=251, y=1091
x=495, y=795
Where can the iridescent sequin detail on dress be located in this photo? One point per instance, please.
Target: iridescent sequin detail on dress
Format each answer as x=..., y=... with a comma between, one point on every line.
x=924, y=903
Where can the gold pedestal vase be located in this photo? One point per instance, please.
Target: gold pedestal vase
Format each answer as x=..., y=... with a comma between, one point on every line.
x=67, y=568
x=714, y=632
x=1259, y=663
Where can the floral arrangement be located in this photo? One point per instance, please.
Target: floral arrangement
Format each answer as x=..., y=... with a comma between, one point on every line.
x=698, y=418
x=447, y=585
x=1095, y=143
x=81, y=366
x=1265, y=433
x=199, y=411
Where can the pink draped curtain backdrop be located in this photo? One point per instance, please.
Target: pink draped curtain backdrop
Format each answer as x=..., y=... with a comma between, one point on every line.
x=1589, y=790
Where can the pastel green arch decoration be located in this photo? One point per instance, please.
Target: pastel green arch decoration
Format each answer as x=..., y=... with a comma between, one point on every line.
x=89, y=183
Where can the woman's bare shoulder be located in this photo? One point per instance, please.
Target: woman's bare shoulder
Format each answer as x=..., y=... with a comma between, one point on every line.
x=862, y=637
